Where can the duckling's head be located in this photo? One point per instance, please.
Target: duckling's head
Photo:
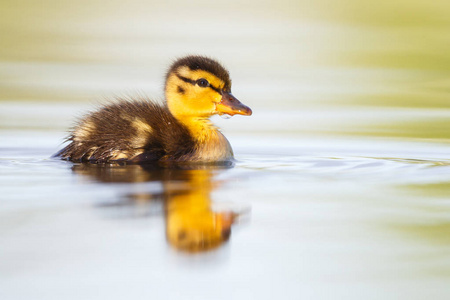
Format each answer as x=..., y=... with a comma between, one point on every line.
x=199, y=87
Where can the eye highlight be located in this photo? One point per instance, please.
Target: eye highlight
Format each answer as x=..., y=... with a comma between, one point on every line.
x=202, y=82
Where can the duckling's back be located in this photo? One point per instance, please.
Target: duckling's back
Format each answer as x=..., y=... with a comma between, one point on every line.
x=129, y=130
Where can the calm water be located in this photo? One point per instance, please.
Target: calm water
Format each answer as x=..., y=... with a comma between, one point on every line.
x=361, y=217
x=341, y=188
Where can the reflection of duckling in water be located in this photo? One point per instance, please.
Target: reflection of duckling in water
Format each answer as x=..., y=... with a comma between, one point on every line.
x=142, y=131
x=191, y=224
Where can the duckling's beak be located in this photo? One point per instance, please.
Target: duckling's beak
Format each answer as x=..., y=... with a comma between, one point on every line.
x=231, y=106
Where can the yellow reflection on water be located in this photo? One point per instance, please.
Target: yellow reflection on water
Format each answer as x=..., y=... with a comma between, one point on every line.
x=191, y=223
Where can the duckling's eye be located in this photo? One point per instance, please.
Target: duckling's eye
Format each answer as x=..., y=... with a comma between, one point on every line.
x=202, y=82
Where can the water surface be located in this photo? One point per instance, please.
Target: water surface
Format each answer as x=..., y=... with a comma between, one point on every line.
x=359, y=216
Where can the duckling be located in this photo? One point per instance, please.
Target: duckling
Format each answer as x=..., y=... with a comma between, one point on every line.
x=179, y=130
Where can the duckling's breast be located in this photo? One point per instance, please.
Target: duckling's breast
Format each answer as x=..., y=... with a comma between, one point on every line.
x=212, y=148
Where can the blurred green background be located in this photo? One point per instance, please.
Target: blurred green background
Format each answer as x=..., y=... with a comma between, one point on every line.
x=344, y=161
x=372, y=68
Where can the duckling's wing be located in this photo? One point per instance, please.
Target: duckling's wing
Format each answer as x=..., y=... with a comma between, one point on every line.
x=129, y=130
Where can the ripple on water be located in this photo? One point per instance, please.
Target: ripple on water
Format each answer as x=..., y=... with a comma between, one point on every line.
x=389, y=169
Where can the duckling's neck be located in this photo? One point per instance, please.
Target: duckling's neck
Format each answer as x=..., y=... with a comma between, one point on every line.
x=211, y=144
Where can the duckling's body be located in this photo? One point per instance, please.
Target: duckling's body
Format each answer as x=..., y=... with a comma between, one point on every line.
x=139, y=131
x=178, y=131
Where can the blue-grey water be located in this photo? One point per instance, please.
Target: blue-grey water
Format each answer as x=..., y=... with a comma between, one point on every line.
x=318, y=217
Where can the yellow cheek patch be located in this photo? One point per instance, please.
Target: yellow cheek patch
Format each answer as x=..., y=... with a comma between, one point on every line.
x=174, y=83
x=187, y=99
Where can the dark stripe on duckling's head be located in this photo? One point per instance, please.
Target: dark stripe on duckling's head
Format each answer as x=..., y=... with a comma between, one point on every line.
x=180, y=90
x=186, y=79
x=194, y=63
x=194, y=82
